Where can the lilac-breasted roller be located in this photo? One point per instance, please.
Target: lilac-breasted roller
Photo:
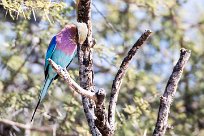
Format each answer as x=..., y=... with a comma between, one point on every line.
x=61, y=50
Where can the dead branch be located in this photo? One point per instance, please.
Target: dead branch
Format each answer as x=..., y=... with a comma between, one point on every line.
x=101, y=113
x=26, y=126
x=119, y=76
x=71, y=83
x=86, y=63
x=167, y=98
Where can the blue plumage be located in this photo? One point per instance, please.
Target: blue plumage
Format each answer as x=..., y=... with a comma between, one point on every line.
x=49, y=53
x=61, y=50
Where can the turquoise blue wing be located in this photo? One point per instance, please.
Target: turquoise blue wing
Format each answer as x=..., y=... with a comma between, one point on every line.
x=50, y=50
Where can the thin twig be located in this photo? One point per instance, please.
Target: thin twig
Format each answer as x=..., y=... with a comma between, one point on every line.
x=167, y=98
x=26, y=127
x=119, y=76
x=108, y=23
x=71, y=83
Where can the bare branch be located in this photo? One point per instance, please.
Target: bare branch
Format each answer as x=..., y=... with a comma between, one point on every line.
x=167, y=98
x=71, y=83
x=119, y=76
x=101, y=114
x=26, y=127
x=86, y=63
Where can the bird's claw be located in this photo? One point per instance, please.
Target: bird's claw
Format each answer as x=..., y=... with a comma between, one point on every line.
x=66, y=74
x=59, y=69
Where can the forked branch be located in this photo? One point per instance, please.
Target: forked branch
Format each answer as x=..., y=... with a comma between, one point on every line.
x=71, y=83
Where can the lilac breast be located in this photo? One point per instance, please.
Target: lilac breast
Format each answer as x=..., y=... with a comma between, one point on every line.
x=66, y=40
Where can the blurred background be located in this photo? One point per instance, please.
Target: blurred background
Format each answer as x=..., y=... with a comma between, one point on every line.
x=26, y=28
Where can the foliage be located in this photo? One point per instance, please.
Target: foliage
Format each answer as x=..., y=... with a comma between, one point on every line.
x=46, y=8
x=175, y=24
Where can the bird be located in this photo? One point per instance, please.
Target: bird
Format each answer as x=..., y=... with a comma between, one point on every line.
x=62, y=49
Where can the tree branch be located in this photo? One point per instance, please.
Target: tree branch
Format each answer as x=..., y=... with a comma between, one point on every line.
x=71, y=83
x=101, y=114
x=167, y=98
x=26, y=127
x=119, y=76
x=86, y=63
x=99, y=98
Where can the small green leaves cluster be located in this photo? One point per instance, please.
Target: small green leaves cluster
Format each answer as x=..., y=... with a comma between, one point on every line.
x=16, y=8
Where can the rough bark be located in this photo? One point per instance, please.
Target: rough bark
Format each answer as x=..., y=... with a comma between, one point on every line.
x=167, y=98
x=101, y=113
x=96, y=114
x=86, y=63
x=119, y=76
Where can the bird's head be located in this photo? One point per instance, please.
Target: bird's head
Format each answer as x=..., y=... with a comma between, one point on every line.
x=82, y=32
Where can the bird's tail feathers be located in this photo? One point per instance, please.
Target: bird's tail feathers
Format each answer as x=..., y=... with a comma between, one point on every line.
x=35, y=110
x=42, y=94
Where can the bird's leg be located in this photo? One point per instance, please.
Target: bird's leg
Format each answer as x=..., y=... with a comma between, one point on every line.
x=63, y=72
x=66, y=74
